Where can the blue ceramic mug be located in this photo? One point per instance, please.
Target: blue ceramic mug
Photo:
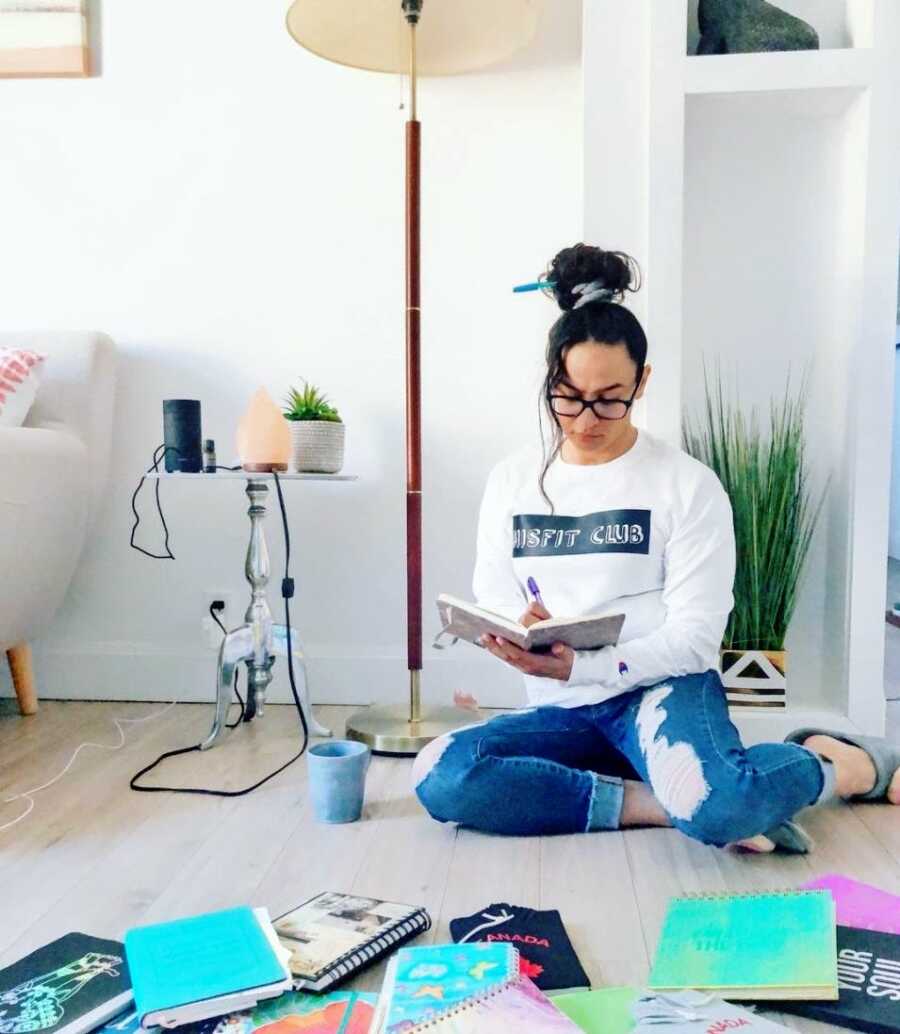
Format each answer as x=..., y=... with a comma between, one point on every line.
x=337, y=779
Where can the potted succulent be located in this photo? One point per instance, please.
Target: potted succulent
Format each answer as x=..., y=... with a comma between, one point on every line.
x=767, y=480
x=317, y=432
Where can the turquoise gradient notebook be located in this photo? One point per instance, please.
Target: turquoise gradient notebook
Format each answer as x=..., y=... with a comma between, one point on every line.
x=206, y=965
x=759, y=946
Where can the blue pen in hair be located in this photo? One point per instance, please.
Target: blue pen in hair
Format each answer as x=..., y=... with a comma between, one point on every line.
x=537, y=285
x=535, y=591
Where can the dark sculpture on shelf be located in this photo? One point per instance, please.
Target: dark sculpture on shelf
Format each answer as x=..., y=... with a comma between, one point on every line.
x=748, y=26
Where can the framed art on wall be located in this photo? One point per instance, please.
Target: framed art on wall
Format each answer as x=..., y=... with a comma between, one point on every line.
x=44, y=38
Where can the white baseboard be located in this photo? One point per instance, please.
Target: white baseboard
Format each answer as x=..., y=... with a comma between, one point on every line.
x=120, y=670
x=145, y=672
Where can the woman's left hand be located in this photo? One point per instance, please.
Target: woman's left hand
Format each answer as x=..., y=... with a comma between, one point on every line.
x=554, y=665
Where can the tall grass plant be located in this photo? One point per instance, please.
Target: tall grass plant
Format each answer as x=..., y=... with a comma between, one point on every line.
x=766, y=476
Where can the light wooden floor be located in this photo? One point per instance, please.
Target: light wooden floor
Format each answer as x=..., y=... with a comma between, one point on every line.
x=95, y=857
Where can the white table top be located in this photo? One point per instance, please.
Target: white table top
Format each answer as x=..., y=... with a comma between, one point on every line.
x=246, y=475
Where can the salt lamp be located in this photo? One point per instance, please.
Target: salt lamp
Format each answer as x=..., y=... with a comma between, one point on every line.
x=263, y=436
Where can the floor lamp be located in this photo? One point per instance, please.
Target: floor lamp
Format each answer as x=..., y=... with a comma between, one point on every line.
x=418, y=37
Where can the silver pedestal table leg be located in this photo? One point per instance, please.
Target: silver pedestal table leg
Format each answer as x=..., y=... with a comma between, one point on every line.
x=258, y=639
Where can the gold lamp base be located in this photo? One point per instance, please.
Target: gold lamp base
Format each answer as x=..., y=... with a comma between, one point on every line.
x=388, y=729
x=403, y=729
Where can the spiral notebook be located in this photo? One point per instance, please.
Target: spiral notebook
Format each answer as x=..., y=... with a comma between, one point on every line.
x=462, y=989
x=766, y=945
x=333, y=936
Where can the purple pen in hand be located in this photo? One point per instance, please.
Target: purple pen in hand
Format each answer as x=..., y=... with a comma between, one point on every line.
x=535, y=591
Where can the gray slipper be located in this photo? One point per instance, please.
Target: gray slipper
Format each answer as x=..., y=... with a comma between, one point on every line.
x=790, y=838
x=885, y=757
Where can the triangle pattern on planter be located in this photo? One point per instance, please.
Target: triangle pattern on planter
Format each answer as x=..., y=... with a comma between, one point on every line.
x=752, y=671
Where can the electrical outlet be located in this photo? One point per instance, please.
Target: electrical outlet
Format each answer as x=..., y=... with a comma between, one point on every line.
x=228, y=616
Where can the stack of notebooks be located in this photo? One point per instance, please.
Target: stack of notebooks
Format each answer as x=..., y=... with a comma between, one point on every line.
x=829, y=950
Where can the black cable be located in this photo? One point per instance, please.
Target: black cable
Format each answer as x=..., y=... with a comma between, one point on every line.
x=237, y=691
x=287, y=591
x=158, y=454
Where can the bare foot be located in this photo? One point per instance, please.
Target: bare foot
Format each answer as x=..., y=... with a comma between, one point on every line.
x=754, y=845
x=854, y=769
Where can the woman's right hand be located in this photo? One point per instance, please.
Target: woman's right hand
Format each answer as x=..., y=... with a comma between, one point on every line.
x=536, y=612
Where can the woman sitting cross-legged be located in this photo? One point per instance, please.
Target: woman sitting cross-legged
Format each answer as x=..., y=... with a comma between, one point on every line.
x=614, y=520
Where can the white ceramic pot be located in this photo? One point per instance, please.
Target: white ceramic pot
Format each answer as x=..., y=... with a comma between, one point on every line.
x=317, y=446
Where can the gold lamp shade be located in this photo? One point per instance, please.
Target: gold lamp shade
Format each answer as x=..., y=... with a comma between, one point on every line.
x=263, y=436
x=453, y=36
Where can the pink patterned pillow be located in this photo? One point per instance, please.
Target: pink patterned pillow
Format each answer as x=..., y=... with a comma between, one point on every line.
x=20, y=375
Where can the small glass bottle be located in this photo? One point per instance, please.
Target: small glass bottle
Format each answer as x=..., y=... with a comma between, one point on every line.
x=209, y=456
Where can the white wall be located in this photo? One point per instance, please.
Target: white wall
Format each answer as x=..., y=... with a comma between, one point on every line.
x=229, y=209
x=766, y=298
x=894, y=539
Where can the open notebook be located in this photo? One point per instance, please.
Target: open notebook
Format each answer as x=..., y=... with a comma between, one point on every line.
x=468, y=621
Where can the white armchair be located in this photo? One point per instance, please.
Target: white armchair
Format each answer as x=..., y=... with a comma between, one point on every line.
x=52, y=474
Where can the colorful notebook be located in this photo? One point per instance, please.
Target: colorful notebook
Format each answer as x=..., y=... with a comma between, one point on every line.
x=750, y=946
x=860, y=904
x=868, y=967
x=510, y=1008
x=342, y=1012
x=607, y=1010
x=72, y=985
x=425, y=981
x=333, y=936
x=203, y=966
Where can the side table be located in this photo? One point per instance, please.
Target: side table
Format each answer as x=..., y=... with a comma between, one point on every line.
x=259, y=640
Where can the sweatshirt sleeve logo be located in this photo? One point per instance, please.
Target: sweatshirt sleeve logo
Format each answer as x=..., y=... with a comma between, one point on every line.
x=608, y=531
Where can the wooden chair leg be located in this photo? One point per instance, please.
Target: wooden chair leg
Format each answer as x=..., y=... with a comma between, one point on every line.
x=22, y=670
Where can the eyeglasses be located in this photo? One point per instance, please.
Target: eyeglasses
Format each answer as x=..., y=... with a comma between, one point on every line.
x=603, y=409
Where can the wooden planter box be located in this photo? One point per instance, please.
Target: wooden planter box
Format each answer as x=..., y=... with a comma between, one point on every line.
x=754, y=678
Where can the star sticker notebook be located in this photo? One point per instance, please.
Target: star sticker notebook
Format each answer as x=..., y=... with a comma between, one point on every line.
x=423, y=982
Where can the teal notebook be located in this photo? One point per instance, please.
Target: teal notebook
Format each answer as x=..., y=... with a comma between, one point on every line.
x=766, y=945
x=203, y=966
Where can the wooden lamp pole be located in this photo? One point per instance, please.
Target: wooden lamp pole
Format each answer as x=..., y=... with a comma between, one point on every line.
x=465, y=35
x=393, y=730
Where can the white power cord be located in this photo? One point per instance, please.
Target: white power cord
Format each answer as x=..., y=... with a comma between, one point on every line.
x=118, y=722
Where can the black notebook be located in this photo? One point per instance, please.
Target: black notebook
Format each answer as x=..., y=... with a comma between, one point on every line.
x=71, y=986
x=333, y=936
x=868, y=984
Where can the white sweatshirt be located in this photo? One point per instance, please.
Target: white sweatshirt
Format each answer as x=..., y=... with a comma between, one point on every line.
x=649, y=534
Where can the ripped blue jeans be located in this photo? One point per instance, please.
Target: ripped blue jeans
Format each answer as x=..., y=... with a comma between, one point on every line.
x=561, y=770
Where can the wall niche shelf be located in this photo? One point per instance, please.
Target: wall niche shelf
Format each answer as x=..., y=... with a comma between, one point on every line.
x=759, y=194
x=788, y=71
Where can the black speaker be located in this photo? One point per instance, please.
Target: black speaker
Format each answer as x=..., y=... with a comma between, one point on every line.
x=182, y=437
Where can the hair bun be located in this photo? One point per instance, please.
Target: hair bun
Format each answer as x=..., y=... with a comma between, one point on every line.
x=584, y=264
